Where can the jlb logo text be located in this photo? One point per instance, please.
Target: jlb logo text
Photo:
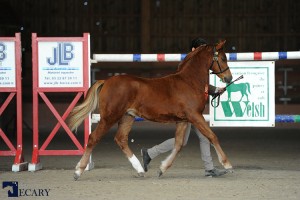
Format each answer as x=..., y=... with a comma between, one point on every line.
x=2, y=52
x=62, y=54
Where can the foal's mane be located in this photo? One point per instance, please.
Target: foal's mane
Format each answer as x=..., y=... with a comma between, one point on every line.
x=191, y=55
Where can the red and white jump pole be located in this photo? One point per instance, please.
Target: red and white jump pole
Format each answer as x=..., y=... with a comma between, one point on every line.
x=287, y=55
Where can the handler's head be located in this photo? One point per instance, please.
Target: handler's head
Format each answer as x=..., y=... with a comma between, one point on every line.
x=197, y=42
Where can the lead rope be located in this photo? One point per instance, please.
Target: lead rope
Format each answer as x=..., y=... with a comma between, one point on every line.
x=217, y=95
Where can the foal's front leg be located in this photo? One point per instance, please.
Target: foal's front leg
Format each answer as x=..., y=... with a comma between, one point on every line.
x=179, y=137
x=199, y=122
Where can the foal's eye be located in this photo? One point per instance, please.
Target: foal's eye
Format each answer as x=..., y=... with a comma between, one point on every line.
x=223, y=59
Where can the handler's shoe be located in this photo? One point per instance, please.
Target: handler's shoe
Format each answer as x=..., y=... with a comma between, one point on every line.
x=146, y=158
x=215, y=172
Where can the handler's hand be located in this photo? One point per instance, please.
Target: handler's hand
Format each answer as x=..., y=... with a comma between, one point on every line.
x=220, y=90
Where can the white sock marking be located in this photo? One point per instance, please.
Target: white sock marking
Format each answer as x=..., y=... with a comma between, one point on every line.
x=165, y=163
x=136, y=164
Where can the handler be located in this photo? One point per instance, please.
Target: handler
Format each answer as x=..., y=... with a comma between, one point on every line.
x=210, y=170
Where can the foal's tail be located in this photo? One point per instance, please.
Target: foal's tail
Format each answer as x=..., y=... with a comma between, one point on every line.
x=89, y=104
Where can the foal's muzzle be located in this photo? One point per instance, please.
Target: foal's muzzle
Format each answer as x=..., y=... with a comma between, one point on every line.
x=227, y=79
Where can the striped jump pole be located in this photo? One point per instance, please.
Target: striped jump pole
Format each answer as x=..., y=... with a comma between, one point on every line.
x=179, y=57
x=287, y=118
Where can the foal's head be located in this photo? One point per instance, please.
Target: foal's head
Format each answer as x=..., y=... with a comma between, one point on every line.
x=219, y=63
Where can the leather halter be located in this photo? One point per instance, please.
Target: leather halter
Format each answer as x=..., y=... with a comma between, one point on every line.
x=216, y=59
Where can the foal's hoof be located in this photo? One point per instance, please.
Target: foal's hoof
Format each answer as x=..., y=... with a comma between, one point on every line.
x=76, y=176
x=159, y=173
x=141, y=174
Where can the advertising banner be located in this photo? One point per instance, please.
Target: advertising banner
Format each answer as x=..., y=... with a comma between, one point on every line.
x=60, y=64
x=249, y=102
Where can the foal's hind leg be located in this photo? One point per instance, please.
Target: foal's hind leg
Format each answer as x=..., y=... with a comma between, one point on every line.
x=200, y=124
x=179, y=137
x=94, y=138
x=121, y=139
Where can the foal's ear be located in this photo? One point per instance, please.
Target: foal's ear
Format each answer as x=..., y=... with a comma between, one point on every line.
x=220, y=45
